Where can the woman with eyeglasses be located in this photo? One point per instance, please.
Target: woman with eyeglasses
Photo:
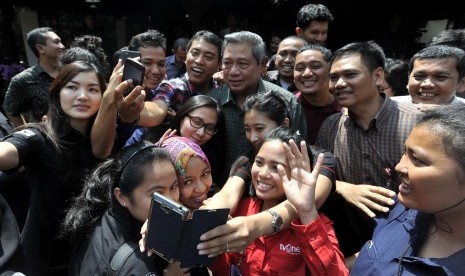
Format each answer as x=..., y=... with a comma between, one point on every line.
x=200, y=119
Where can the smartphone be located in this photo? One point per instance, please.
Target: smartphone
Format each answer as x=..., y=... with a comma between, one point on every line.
x=165, y=226
x=168, y=205
x=135, y=71
x=129, y=54
x=173, y=234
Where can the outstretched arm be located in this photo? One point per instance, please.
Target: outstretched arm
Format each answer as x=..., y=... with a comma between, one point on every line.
x=228, y=196
x=8, y=156
x=238, y=232
x=104, y=128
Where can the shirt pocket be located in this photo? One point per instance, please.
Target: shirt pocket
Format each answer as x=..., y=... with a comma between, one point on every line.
x=371, y=249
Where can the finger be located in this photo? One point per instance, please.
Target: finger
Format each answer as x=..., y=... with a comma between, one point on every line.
x=374, y=206
x=215, y=250
x=214, y=241
x=120, y=89
x=138, y=104
x=319, y=163
x=118, y=66
x=380, y=199
x=382, y=191
x=282, y=173
x=212, y=236
x=289, y=151
x=166, y=134
x=142, y=245
x=143, y=232
x=295, y=149
x=141, y=97
x=305, y=157
x=134, y=94
x=366, y=210
x=169, y=132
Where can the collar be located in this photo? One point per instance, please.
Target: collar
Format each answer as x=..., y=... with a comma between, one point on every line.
x=193, y=89
x=456, y=100
x=381, y=117
x=228, y=96
x=65, y=130
x=331, y=106
x=37, y=69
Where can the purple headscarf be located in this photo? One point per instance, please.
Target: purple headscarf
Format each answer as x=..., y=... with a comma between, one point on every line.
x=181, y=150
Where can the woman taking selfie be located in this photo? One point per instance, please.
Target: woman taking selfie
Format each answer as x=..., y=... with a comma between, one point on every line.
x=56, y=155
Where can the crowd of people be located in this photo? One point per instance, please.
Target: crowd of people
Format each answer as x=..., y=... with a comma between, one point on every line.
x=331, y=162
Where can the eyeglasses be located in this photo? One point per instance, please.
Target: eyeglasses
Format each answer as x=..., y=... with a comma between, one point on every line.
x=198, y=123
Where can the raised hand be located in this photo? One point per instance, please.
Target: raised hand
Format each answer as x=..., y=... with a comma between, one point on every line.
x=128, y=107
x=300, y=185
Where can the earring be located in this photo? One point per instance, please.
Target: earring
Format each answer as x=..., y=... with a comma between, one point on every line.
x=124, y=203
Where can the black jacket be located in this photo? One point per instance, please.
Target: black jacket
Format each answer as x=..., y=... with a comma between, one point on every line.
x=93, y=256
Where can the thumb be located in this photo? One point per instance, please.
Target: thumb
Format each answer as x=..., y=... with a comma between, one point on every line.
x=282, y=173
x=319, y=163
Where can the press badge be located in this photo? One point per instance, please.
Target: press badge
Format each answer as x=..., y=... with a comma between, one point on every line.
x=27, y=133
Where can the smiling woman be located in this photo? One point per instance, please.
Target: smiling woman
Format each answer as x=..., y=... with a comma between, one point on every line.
x=56, y=155
x=275, y=177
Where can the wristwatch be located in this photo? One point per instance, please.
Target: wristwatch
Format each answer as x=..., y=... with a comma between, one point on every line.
x=276, y=222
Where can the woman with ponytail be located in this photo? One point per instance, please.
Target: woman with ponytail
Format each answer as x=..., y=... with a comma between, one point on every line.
x=112, y=207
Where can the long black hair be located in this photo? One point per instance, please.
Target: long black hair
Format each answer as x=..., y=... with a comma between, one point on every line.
x=57, y=121
x=127, y=171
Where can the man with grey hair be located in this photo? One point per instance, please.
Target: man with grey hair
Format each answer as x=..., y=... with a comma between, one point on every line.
x=243, y=63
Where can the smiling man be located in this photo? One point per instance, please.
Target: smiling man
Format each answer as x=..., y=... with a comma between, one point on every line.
x=285, y=60
x=26, y=100
x=436, y=73
x=311, y=80
x=313, y=23
x=202, y=61
x=243, y=61
x=367, y=140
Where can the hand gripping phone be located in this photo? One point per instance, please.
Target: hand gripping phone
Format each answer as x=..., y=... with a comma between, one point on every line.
x=174, y=235
x=135, y=71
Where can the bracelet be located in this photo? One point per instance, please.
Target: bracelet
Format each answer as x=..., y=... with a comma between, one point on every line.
x=276, y=222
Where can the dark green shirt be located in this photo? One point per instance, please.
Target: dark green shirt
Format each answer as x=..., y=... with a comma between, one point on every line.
x=28, y=94
x=236, y=142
